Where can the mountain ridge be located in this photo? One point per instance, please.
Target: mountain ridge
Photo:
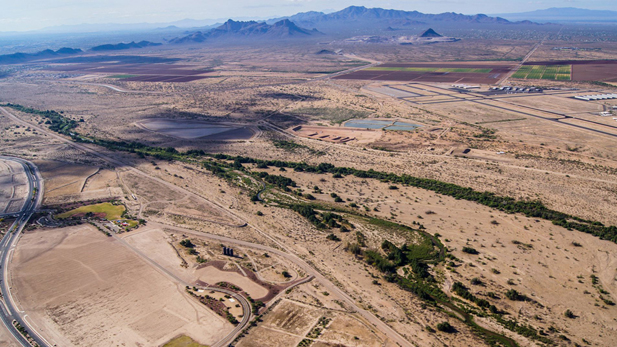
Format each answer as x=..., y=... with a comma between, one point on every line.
x=564, y=14
x=361, y=13
x=248, y=29
x=20, y=57
x=123, y=46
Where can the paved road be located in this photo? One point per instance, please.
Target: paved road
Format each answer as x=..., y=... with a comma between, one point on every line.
x=9, y=311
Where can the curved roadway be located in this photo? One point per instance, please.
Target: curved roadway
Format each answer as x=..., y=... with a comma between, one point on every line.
x=9, y=312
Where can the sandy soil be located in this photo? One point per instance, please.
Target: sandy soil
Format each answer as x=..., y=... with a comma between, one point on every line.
x=165, y=250
x=551, y=270
x=339, y=134
x=291, y=320
x=13, y=186
x=96, y=303
x=6, y=339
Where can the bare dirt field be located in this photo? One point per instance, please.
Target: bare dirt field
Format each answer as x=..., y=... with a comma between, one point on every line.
x=6, y=339
x=290, y=322
x=190, y=130
x=165, y=248
x=67, y=182
x=95, y=304
x=13, y=187
x=338, y=134
x=144, y=72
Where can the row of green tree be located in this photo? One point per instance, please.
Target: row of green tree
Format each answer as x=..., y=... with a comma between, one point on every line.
x=530, y=208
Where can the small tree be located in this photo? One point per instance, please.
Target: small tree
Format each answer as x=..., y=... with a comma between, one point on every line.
x=470, y=250
x=445, y=327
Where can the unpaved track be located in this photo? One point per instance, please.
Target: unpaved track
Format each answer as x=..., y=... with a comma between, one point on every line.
x=386, y=329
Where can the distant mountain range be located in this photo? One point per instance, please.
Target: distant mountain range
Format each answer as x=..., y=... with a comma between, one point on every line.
x=17, y=58
x=350, y=20
x=354, y=17
x=122, y=46
x=564, y=14
x=251, y=29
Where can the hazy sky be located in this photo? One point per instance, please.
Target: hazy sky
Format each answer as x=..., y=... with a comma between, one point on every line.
x=19, y=15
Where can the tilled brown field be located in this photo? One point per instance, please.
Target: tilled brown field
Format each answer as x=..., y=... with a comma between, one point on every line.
x=108, y=296
x=496, y=73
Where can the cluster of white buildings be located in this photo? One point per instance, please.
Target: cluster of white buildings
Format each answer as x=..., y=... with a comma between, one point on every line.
x=465, y=86
x=596, y=97
x=518, y=89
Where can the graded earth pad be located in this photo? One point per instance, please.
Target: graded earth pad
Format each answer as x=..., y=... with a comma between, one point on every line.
x=6, y=339
x=108, y=296
x=13, y=187
x=191, y=130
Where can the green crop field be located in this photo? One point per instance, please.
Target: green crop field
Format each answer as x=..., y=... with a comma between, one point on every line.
x=121, y=76
x=432, y=69
x=112, y=212
x=544, y=72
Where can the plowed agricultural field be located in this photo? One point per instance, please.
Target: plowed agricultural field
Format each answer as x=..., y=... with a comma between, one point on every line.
x=446, y=72
x=582, y=70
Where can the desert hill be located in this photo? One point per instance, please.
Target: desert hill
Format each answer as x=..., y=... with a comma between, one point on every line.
x=19, y=57
x=238, y=29
x=123, y=46
x=430, y=33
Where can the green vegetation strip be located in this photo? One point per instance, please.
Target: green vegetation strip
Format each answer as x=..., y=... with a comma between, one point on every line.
x=121, y=76
x=545, y=72
x=112, y=212
x=432, y=69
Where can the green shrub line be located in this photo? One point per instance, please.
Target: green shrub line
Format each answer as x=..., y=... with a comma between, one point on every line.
x=530, y=208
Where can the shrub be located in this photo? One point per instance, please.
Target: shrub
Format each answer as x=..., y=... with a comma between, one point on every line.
x=445, y=327
x=333, y=237
x=187, y=243
x=514, y=295
x=569, y=314
x=470, y=250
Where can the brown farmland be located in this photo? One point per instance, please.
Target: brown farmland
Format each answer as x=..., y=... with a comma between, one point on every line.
x=497, y=72
x=139, y=72
x=587, y=70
